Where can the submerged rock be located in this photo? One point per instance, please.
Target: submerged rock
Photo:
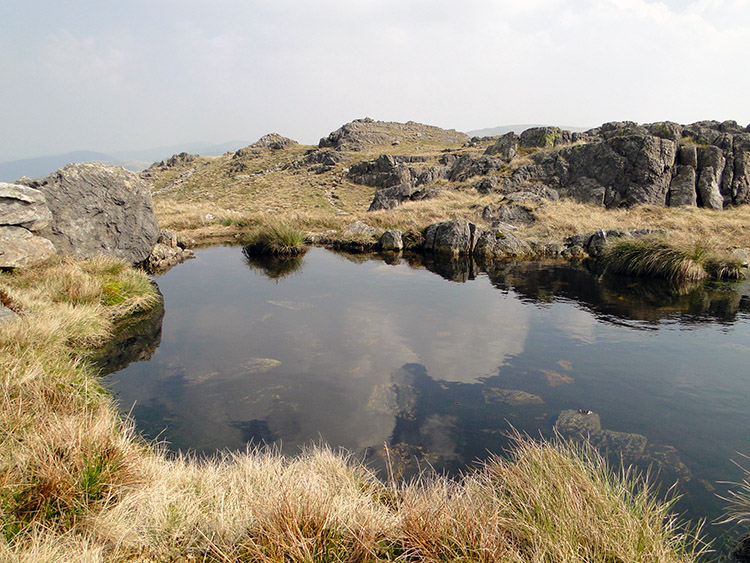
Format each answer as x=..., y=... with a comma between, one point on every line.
x=512, y=397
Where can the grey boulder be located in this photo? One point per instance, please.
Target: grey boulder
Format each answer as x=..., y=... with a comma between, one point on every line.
x=391, y=241
x=99, y=210
x=456, y=237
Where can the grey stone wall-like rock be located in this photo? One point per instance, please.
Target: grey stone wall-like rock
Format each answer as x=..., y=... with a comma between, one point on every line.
x=23, y=213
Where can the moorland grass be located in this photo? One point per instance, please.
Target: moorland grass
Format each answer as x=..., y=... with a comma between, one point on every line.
x=655, y=257
x=77, y=484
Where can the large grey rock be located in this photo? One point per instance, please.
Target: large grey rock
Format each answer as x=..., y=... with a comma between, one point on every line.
x=20, y=248
x=23, y=206
x=682, y=188
x=626, y=168
x=456, y=237
x=99, y=210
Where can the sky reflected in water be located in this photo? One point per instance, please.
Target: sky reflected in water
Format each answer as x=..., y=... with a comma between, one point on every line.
x=361, y=353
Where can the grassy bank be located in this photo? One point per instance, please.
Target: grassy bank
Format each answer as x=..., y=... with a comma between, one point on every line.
x=655, y=257
x=77, y=484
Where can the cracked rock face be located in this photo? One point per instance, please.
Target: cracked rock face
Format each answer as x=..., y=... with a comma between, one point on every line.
x=99, y=210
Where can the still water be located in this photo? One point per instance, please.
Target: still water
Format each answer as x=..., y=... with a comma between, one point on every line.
x=440, y=361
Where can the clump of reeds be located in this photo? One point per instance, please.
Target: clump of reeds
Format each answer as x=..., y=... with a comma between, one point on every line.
x=655, y=257
x=738, y=500
x=275, y=239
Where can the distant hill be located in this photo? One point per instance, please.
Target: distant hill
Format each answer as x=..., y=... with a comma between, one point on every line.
x=44, y=165
x=135, y=160
x=156, y=154
x=503, y=129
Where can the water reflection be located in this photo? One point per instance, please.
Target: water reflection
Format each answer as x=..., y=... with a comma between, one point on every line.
x=135, y=340
x=274, y=267
x=620, y=299
x=407, y=369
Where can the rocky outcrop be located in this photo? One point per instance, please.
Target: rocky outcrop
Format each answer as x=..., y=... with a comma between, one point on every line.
x=98, y=209
x=544, y=137
x=23, y=214
x=705, y=164
x=506, y=147
x=398, y=179
x=274, y=141
x=363, y=133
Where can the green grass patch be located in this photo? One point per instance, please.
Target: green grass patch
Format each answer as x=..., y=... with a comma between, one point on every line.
x=275, y=239
x=656, y=258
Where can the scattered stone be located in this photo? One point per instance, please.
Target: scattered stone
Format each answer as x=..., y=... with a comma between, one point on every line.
x=742, y=255
x=487, y=185
x=165, y=256
x=572, y=424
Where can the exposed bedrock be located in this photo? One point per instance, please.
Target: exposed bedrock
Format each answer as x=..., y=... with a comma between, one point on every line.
x=705, y=164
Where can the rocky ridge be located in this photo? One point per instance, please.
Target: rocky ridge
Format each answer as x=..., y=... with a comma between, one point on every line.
x=360, y=134
x=705, y=164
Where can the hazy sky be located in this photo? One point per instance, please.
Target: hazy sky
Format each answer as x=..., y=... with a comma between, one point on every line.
x=110, y=75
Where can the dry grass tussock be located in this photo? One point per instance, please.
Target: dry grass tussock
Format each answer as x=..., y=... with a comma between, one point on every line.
x=76, y=483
